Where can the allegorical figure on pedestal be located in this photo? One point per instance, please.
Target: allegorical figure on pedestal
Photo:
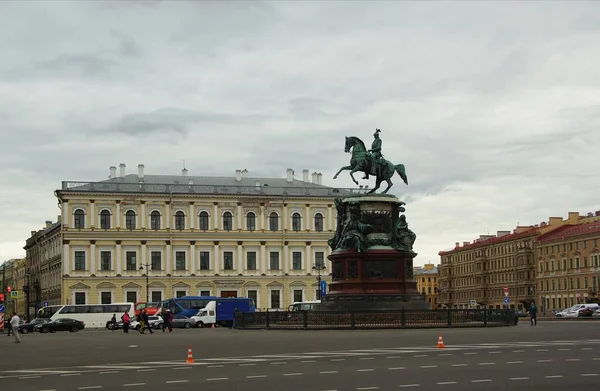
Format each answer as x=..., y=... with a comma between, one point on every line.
x=402, y=237
x=339, y=227
x=354, y=233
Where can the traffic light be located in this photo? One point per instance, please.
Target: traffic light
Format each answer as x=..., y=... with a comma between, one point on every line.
x=8, y=289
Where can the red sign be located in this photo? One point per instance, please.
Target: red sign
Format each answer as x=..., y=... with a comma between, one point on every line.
x=1, y=297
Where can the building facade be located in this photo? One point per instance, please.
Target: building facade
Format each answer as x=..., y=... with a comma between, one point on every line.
x=20, y=303
x=476, y=274
x=137, y=237
x=7, y=277
x=568, y=266
x=427, y=282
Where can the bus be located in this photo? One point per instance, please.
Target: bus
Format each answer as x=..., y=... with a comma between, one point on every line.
x=93, y=315
x=186, y=305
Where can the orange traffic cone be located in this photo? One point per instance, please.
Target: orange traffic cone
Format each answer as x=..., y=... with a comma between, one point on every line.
x=213, y=326
x=190, y=358
x=440, y=342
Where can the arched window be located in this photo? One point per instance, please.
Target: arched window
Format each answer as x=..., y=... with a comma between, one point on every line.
x=319, y=222
x=155, y=220
x=273, y=221
x=79, y=219
x=296, y=222
x=179, y=220
x=251, y=221
x=203, y=220
x=105, y=219
x=130, y=219
x=227, y=221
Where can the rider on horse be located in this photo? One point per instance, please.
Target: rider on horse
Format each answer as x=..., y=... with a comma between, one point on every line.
x=375, y=156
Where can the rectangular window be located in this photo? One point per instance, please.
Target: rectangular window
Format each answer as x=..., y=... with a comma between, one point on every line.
x=156, y=260
x=298, y=295
x=180, y=293
x=296, y=260
x=251, y=260
x=227, y=260
x=275, y=299
x=253, y=294
x=131, y=260
x=320, y=259
x=156, y=296
x=105, y=258
x=79, y=297
x=204, y=293
x=105, y=298
x=131, y=296
x=80, y=261
x=180, y=260
x=204, y=260
x=274, y=261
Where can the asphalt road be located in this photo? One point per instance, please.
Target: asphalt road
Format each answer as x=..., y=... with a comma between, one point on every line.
x=552, y=356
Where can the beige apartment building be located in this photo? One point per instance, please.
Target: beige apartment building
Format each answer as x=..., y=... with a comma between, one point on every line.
x=476, y=274
x=161, y=236
x=426, y=277
x=568, y=266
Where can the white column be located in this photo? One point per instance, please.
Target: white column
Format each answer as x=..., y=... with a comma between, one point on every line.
x=93, y=267
x=215, y=216
x=192, y=216
x=143, y=216
x=168, y=265
x=66, y=260
x=309, y=260
x=144, y=259
x=263, y=259
x=92, y=219
x=329, y=219
x=65, y=215
x=216, y=262
x=307, y=223
x=261, y=218
x=239, y=215
x=118, y=216
x=168, y=216
x=119, y=264
x=193, y=267
x=286, y=259
x=240, y=259
x=285, y=224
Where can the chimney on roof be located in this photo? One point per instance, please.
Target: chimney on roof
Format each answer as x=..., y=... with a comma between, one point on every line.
x=320, y=178
x=290, y=175
x=113, y=172
x=238, y=175
x=140, y=171
x=122, y=170
x=502, y=233
x=573, y=216
x=48, y=223
x=555, y=221
x=314, y=177
x=257, y=184
x=457, y=244
x=184, y=172
x=245, y=173
x=305, y=175
x=466, y=243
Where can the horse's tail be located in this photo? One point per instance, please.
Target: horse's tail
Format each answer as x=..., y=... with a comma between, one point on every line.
x=402, y=172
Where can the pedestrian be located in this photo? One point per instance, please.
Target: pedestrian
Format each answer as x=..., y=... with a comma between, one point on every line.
x=140, y=318
x=113, y=320
x=533, y=314
x=8, y=326
x=14, y=324
x=147, y=321
x=126, y=319
x=167, y=318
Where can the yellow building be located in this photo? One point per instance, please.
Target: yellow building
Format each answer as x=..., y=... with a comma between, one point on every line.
x=263, y=238
x=19, y=304
x=427, y=282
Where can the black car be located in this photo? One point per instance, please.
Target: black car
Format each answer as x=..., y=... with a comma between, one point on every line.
x=29, y=327
x=63, y=324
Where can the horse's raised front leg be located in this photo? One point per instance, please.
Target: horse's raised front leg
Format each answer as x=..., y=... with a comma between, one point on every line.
x=342, y=169
x=355, y=169
x=389, y=182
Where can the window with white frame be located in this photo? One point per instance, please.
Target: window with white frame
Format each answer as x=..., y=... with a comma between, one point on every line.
x=105, y=297
x=130, y=219
x=204, y=293
x=180, y=262
x=180, y=293
x=204, y=260
x=131, y=260
x=251, y=260
x=105, y=219
x=273, y=221
x=227, y=221
x=296, y=222
x=105, y=260
x=318, y=222
x=156, y=296
x=179, y=220
x=131, y=296
x=298, y=295
x=320, y=259
x=80, y=261
x=274, y=260
x=79, y=219
x=203, y=220
x=155, y=220
x=297, y=260
x=80, y=297
x=275, y=298
x=253, y=294
x=228, y=260
x=251, y=221
x=156, y=260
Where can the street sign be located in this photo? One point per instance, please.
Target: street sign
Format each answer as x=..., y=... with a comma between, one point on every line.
x=506, y=291
x=45, y=304
x=323, y=288
x=506, y=300
x=473, y=303
x=2, y=308
x=14, y=294
x=1, y=320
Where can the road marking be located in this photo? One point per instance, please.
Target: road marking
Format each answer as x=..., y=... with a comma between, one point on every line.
x=133, y=346
x=247, y=365
x=446, y=382
x=221, y=366
x=459, y=365
x=176, y=381
x=428, y=366
x=396, y=368
x=564, y=349
x=278, y=363
x=487, y=363
x=328, y=372
x=293, y=374
x=71, y=374
x=367, y=358
x=29, y=377
x=134, y=384
x=393, y=357
x=364, y=370
x=545, y=360
x=589, y=374
x=217, y=378
x=494, y=352
x=106, y=373
x=553, y=376
x=469, y=353
x=420, y=355
x=518, y=351
x=541, y=350
x=573, y=359
x=306, y=361
x=445, y=354
x=337, y=359
x=89, y=387
x=255, y=376
x=367, y=388
x=146, y=370
x=181, y=368
x=519, y=378
x=596, y=359
x=409, y=385
x=586, y=348
x=481, y=381
x=514, y=362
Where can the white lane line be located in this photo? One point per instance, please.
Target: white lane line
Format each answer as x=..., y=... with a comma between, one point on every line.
x=307, y=361
x=564, y=349
x=573, y=359
x=146, y=370
x=469, y=353
x=70, y=374
x=586, y=348
x=459, y=365
x=367, y=388
x=53, y=389
x=90, y=387
x=364, y=370
x=393, y=357
x=445, y=354
x=541, y=350
x=367, y=358
x=518, y=351
x=481, y=381
x=442, y=383
x=553, y=376
x=177, y=381
x=409, y=385
x=293, y=374
x=596, y=359
x=221, y=366
x=420, y=355
x=256, y=376
x=487, y=363
x=108, y=372
x=278, y=363
x=178, y=368
x=545, y=360
x=247, y=365
x=428, y=366
x=494, y=352
x=29, y=377
x=589, y=374
x=515, y=362
x=396, y=368
x=217, y=378
x=327, y=372
x=337, y=359
x=134, y=384
x=519, y=378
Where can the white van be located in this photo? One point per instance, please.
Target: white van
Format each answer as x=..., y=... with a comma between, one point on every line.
x=304, y=305
x=575, y=311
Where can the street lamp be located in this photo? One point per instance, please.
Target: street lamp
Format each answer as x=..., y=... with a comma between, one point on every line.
x=318, y=267
x=147, y=266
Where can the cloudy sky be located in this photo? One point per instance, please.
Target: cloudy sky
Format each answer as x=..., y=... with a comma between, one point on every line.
x=493, y=108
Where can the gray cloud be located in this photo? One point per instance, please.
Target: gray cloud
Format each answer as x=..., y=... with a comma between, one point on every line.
x=494, y=121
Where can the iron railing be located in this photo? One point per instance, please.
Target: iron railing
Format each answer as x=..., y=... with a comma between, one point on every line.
x=315, y=320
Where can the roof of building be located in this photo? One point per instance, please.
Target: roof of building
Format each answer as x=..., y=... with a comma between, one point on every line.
x=420, y=270
x=533, y=231
x=183, y=184
x=571, y=230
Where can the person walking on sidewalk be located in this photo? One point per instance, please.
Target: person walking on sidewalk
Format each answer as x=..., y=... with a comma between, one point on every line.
x=14, y=325
x=126, y=320
x=8, y=326
x=533, y=314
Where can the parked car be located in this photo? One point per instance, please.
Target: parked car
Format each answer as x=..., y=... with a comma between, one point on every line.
x=62, y=324
x=29, y=327
x=155, y=322
x=181, y=321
